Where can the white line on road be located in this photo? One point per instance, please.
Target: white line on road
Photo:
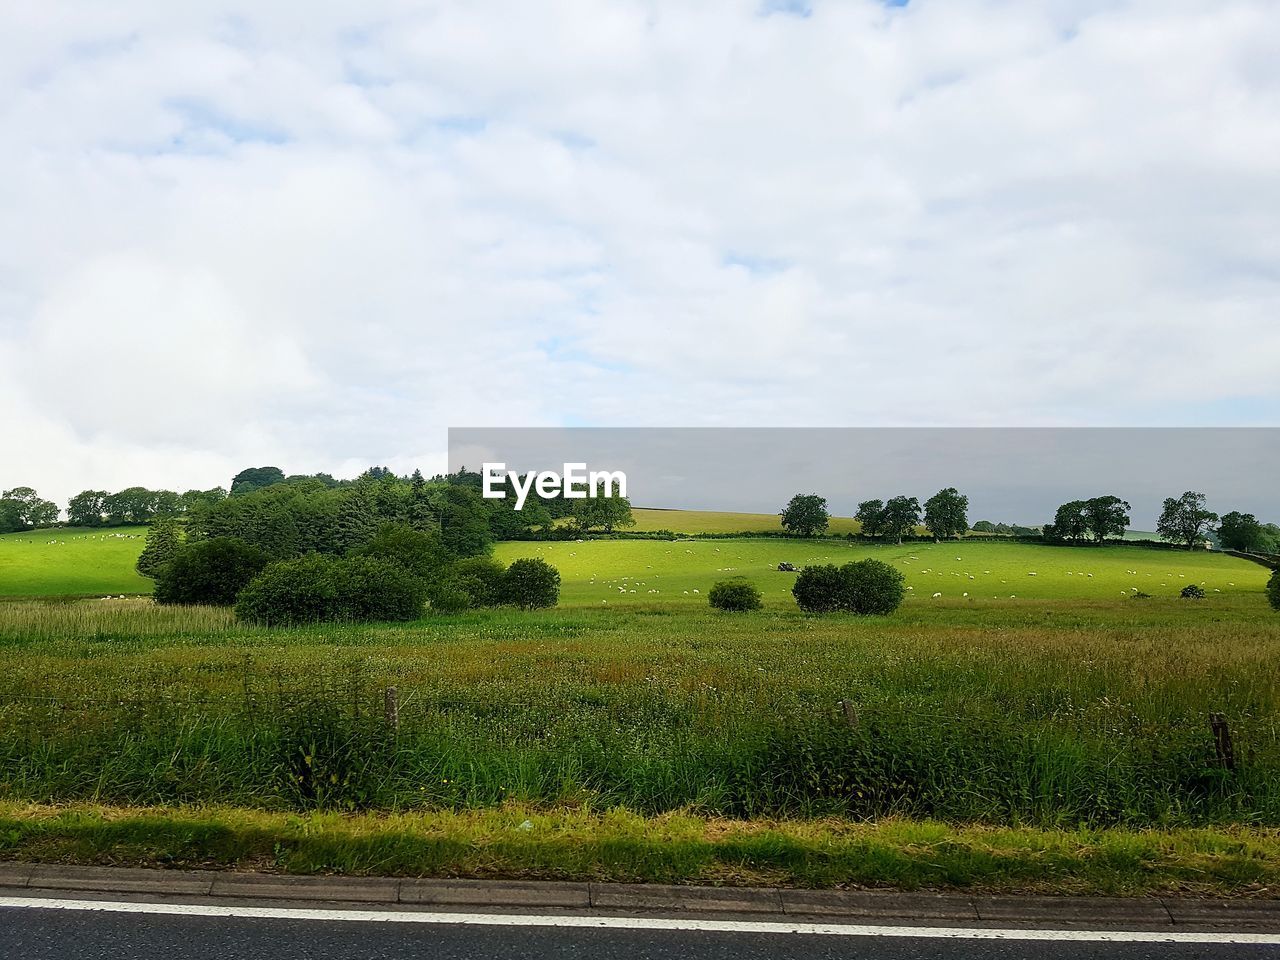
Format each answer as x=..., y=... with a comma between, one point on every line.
x=637, y=923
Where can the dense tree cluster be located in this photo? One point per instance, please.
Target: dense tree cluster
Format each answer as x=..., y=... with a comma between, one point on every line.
x=864, y=587
x=805, y=515
x=1098, y=519
x=23, y=509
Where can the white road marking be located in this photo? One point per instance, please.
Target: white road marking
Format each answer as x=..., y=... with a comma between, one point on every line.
x=639, y=923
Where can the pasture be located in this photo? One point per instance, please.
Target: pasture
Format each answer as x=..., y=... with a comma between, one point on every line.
x=975, y=572
x=964, y=737
x=715, y=521
x=72, y=562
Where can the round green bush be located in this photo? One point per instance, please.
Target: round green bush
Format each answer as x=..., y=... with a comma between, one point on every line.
x=1273, y=589
x=737, y=594
x=318, y=588
x=1192, y=592
x=865, y=587
x=480, y=578
x=871, y=587
x=209, y=572
x=817, y=589
x=531, y=583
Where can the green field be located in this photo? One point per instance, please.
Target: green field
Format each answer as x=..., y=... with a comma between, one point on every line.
x=710, y=521
x=1045, y=732
x=628, y=572
x=72, y=562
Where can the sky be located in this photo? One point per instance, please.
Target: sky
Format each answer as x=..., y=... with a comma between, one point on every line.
x=317, y=235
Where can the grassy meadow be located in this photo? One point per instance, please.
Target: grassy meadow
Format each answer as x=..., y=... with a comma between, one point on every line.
x=1048, y=731
x=713, y=521
x=72, y=562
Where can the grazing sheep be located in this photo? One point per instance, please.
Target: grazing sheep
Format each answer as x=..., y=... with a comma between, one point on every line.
x=936, y=596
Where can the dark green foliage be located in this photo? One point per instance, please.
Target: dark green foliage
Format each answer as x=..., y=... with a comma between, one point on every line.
x=946, y=513
x=1192, y=592
x=817, y=589
x=1242, y=531
x=210, y=572
x=480, y=579
x=1273, y=590
x=737, y=594
x=162, y=546
x=1106, y=517
x=871, y=587
x=86, y=509
x=805, y=515
x=23, y=509
x=531, y=584
x=609, y=513
x=1186, y=519
x=865, y=587
x=869, y=515
x=422, y=554
x=318, y=588
x=464, y=522
x=255, y=478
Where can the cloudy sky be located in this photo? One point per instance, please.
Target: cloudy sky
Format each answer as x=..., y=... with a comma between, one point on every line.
x=318, y=234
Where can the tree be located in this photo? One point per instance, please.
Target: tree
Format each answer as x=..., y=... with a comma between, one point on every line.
x=805, y=515
x=202, y=499
x=130, y=505
x=1186, y=519
x=900, y=517
x=1106, y=517
x=946, y=514
x=255, y=478
x=162, y=546
x=1070, y=521
x=737, y=595
x=422, y=554
x=23, y=509
x=86, y=508
x=531, y=584
x=869, y=515
x=608, y=512
x=1273, y=590
x=984, y=526
x=1241, y=531
x=210, y=572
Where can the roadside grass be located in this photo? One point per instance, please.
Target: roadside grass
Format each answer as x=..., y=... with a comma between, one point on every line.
x=678, y=847
x=72, y=562
x=1056, y=713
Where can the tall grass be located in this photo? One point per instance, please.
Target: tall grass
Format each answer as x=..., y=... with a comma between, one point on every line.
x=1064, y=714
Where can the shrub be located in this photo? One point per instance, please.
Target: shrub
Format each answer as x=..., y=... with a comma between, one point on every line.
x=422, y=554
x=871, y=587
x=479, y=578
x=209, y=572
x=1192, y=592
x=318, y=588
x=817, y=588
x=1273, y=589
x=737, y=594
x=865, y=587
x=531, y=584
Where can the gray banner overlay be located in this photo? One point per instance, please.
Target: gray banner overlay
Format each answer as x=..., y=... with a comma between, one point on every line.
x=1013, y=475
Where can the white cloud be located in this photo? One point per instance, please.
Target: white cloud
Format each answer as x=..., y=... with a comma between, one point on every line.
x=318, y=235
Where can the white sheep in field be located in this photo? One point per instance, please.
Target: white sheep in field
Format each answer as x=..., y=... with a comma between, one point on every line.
x=936, y=596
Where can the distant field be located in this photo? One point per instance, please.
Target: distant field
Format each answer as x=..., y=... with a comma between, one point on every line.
x=72, y=561
x=970, y=572
x=711, y=521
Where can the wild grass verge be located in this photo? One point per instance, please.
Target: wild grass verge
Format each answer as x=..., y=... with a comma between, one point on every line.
x=679, y=847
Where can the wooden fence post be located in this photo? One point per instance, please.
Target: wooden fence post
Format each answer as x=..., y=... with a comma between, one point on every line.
x=1222, y=746
x=850, y=713
x=391, y=707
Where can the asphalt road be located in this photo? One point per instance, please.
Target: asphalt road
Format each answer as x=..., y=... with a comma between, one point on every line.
x=37, y=934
